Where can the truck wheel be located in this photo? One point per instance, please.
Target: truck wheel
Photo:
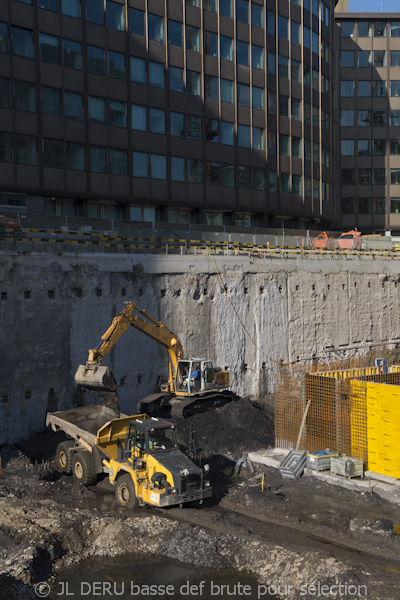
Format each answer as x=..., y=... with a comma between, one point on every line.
x=64, y=457
x=82, y=468
x=125, y=492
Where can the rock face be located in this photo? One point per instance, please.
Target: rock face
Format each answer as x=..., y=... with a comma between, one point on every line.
x=54, y=308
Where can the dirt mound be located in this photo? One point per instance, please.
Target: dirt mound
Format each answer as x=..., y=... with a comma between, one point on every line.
x=232, y=429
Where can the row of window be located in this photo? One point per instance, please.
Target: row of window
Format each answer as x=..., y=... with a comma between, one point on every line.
x=113, y=14
x=370, y=29
x=366, y=89
x=373, y=147
x=297, y=148
x=369, y=176
x=369, y=118
x=366, y=206
x=369, y=58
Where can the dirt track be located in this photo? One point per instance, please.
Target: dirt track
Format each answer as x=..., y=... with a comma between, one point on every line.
x=295, y=533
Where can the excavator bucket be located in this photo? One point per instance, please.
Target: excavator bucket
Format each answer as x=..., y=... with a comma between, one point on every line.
x=98, y=378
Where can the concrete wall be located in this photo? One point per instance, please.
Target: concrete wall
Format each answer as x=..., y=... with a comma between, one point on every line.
x=54, y=308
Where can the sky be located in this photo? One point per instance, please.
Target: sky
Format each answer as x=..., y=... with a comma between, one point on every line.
x=374, y=5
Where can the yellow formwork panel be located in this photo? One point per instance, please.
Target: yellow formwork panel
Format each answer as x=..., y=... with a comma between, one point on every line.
x=383, y=411
x=351, y=373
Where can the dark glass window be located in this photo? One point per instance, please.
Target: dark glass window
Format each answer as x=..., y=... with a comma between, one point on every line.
x=139, y=117
x=71, y=8
x=136, y=21
x=242, y=11
x=5, y=98
x=117, y=113
x=210, y=43
x=348, y=177
x=177, y=124
x=176, y=82
x=53, y=154
x=211, y=87
x=156, y=74
x=72, y=54
x=97, y=109
x=95, y=11
x=242, y=53
x=138, y=70
x=225, y=8
x=51, y=101
x=243, y=94
x=115, y=15
x=257, y=15
x=347, y=29
x=226, y=90
x=155, y=27
x=24, y=96
x=49, y=48
x=157, y=120
x=175, y=33
x=116, y=65
x=4, y=38
x=212, y=173
x=227, y=133
x=22, y=42
x=73, y=105
x=96, y=60
x=140, y=164
x=228, y=175
x=348, y=206
x=244, y=177
x=48, y=5
x=193, y=127
x=118, y=162
x=195, y=170
x=178, y=172
x=6, y=147
x=212, y=130
x=26, y=149
x=98, y=159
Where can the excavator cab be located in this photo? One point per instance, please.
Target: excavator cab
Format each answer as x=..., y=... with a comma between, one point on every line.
x=193, y=376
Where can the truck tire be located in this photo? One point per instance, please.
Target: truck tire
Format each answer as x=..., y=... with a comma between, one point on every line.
x=125, y=492
x=64, y=457
x=82, y=468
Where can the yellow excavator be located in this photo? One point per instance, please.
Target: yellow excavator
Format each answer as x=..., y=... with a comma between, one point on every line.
x=194, y=384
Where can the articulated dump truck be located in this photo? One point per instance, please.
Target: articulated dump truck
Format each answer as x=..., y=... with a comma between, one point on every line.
x=138, y=453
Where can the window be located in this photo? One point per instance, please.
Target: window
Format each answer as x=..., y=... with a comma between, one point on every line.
x=283, y=29
x=348, y=206
x=347, y=89
x=117, y=113
x=395, y=176
x=227, y=133
x=193, y=83
x=192, y=38
x=72, y=54
x=295, y=32
x=73, y=105
x=295, y=71
x=211, y=87
x=4, y=38
x=347, y=118
x=212, y=173
x=284, y=145
x=98, y=159
x=178, y=169
x=96, y=60
x=157, y=120
x=395, y=29
x=177, y=124
x=395, y=117
x=271, y=63
x=379, y=29
x=271, y=23
x=49, y=48
x=5, y=100
x=212, y=130
x=226, y=91
x=379, y=176
x=296, y=147
x=395, y=205
x=244, y=177
x=210, y=5
x=395, y=58
x=116, y=65
x=258, y=179
x=364, y=118
x=379, y=147
x=74, y=156
x=158, y=166
x=306, y=37
x=225, y=47
x=47, y=4
x=379, y=118
x=138, y=70
x=257, y=16
x=71, y=8
x=243, y=94
x=307, y=112
x=307, y=78
x=364, y=29
x=97, y=109
x=379, y=88
x=95, y=11
x=395, y=89
x=244, y=136
x=315, y=81
x=379, y=58
x=315, y=152
x=118, y=162
x=115, y=16
x=315, y=42
x=155, y=27
x=395, y=147
x=364, y=88
x=258, y=97
x=6, y=147
x=272, y=143
x=225, y=8
x=364, y=147
x=193, y=2
x=210, y=43
x=347, y=58
x=26, y=149
x=364, y=206
x=53, y=154
x=272, y=103
x=296, y=109
x=347, y=147
x=195, y=170
x=284, y=183
x=315, y=116
x=242, y=11
x=140, y=164
x=379, y=206
x=51, y=101
x=364, y=176
x=315, y=7
x=364, y=58
x=348, y=177
x=176, y=79
x=156, y=74
x=139, y=117
x=283, y=66
x=242, y=53
x=228, y=175
x=283, y=105
x=193, y=127
x=22, y=42
x=347, y=29
x=24, y=96
x=272, y=182
x=136, y=22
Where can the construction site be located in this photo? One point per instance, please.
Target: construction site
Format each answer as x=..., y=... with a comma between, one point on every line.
x=266, y=466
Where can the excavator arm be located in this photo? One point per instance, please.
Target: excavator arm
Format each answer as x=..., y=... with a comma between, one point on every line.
x=94, y=375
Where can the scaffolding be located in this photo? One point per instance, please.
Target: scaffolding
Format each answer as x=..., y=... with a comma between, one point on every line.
x=334, y=398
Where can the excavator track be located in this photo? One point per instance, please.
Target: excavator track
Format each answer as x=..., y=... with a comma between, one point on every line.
x=162, y=405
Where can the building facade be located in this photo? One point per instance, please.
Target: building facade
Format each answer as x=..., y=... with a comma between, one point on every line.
x=368, y=120
x=209, y=111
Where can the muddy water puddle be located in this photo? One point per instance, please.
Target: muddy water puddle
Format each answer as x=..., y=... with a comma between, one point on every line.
x=139, y=578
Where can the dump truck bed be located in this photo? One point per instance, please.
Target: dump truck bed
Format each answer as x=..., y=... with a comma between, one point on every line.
x=83, y=422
